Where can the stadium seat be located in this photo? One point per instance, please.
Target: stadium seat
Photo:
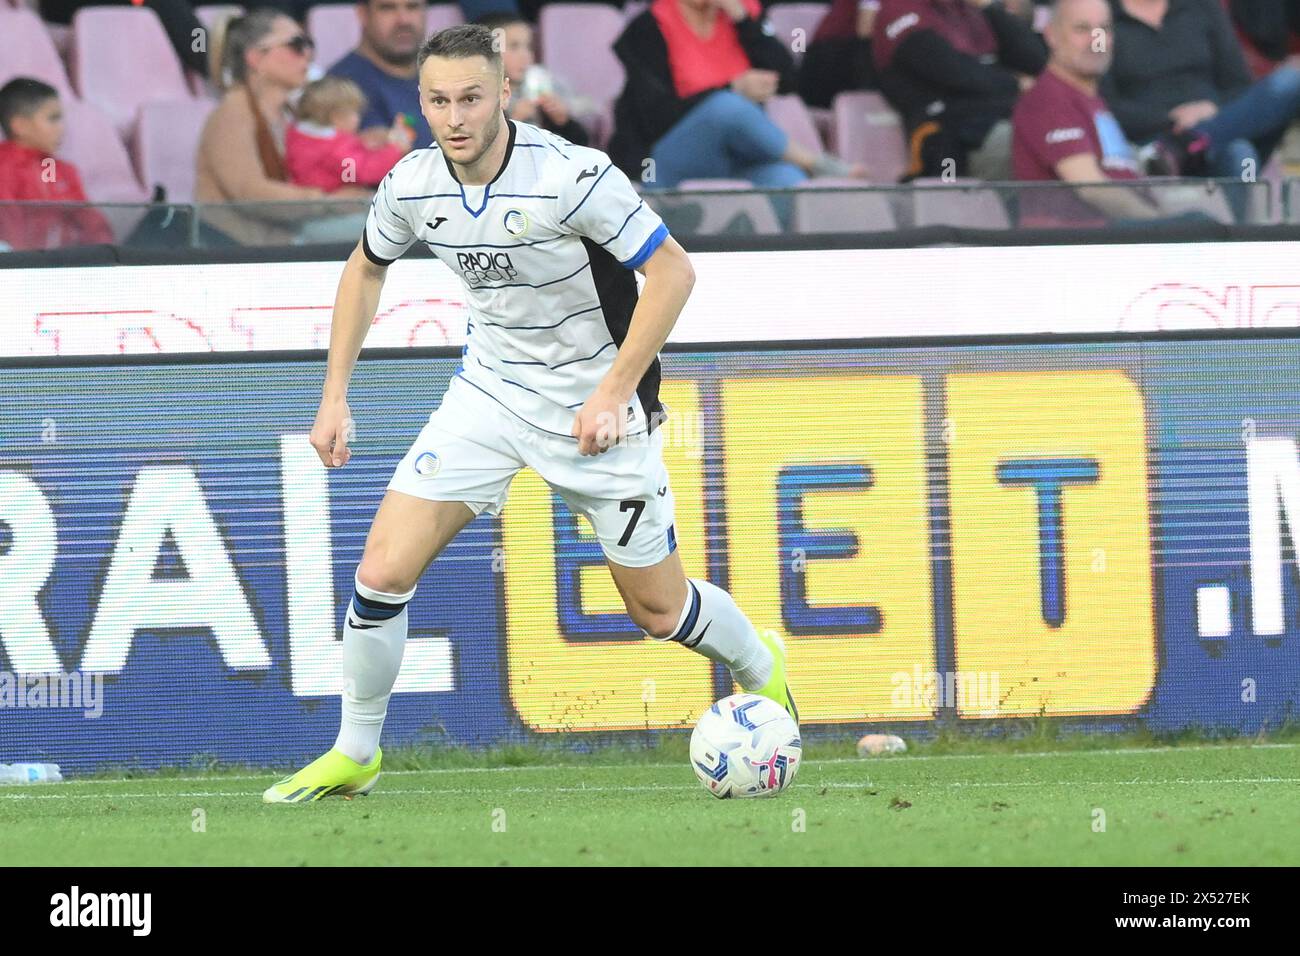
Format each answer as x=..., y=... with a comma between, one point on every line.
x=577, y=43
x=633, y=9
x=867, y=130
x=61, y=34
x=121, y=59
x=27, y=50
x=1274, y=173
x=841, y=205
x=92, y=144
x=166, y=143
x=1205, y=198
x=791, y=114
x=715, y=184
x=786, y=18
x=967, y=204
x=335, y=29
x=746, y=212
x=1290, y=202
x=441, y=16
x=824, y=121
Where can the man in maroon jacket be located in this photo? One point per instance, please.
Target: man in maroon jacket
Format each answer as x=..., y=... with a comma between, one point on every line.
x=954, y=69
x=32, y=121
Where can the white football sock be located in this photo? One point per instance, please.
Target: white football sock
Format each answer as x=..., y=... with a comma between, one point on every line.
x=711, y=624
x=374, y=638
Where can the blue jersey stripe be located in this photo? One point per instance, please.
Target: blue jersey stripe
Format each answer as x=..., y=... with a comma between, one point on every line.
x=502, y=325
x=386, y=237
x=586, y=197
x=462, y=377
x=490, y=245
x=506, y=380
x=575, y=361
x=555, y=368
x=625, y=222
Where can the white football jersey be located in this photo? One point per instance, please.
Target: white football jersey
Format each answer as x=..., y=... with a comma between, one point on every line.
x=546, y=252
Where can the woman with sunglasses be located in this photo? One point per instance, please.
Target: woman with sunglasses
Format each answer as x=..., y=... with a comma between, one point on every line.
x=263, y=60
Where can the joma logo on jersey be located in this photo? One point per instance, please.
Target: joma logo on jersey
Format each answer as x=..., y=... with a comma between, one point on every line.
x=486, y=266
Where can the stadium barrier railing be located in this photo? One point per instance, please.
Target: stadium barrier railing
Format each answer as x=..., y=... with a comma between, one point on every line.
x=810, y=210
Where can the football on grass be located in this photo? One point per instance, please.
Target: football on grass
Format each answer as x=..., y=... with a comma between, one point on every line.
x=746, y=746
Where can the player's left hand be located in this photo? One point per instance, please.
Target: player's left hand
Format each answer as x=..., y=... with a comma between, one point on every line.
x=600, y=424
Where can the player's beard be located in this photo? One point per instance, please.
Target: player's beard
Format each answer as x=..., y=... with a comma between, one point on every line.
x=487, y=137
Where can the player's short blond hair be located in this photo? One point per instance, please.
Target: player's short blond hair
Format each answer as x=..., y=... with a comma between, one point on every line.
x=323, y=98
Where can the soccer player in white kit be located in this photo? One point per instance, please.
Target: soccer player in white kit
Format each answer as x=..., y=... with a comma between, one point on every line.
x=560, y=373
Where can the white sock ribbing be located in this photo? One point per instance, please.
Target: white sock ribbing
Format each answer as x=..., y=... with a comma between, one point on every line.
x=711, y=624
x=374, y=638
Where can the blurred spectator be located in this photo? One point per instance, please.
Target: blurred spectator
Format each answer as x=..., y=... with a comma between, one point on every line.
x=1269, y=31
x=177, y=17
x=697, y=74
x=537, y=95
x=265, y=54
x=839, y=56
x=1179, y=78
x=383, y=65
x=531, y=10
x=475, y=10
x=323, y=149
x=954, y=70
x=32, y=120
x=1024, y=9
x=1063, y=130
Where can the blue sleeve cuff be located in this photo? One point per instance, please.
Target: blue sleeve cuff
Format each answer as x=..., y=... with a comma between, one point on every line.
x=655, y=240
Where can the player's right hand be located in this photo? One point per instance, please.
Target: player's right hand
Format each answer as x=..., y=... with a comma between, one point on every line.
x=332, y=433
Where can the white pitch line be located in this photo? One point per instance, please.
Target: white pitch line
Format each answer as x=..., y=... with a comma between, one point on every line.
x=665, y=766
x=649, y=788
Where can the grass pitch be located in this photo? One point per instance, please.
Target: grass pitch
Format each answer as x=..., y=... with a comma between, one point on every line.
x=1184, y=805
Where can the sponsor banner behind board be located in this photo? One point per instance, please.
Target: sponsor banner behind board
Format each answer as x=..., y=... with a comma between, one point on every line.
x=1103, y=531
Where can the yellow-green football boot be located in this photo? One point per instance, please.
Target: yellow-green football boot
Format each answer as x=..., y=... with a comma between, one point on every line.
x=777, y=688
x=333, y=775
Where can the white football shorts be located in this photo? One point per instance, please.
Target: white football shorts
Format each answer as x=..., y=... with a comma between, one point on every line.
x=472, y=446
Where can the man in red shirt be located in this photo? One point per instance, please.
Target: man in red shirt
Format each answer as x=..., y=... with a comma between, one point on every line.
x=1064, y=131
x=32, y=120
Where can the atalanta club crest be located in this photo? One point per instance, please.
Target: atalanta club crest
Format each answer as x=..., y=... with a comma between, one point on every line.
x=516, y=223
x=427, y=464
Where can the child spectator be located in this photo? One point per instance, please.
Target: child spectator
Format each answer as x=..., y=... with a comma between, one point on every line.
x=32, y=119
x=324, y=149
x=537, y=95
